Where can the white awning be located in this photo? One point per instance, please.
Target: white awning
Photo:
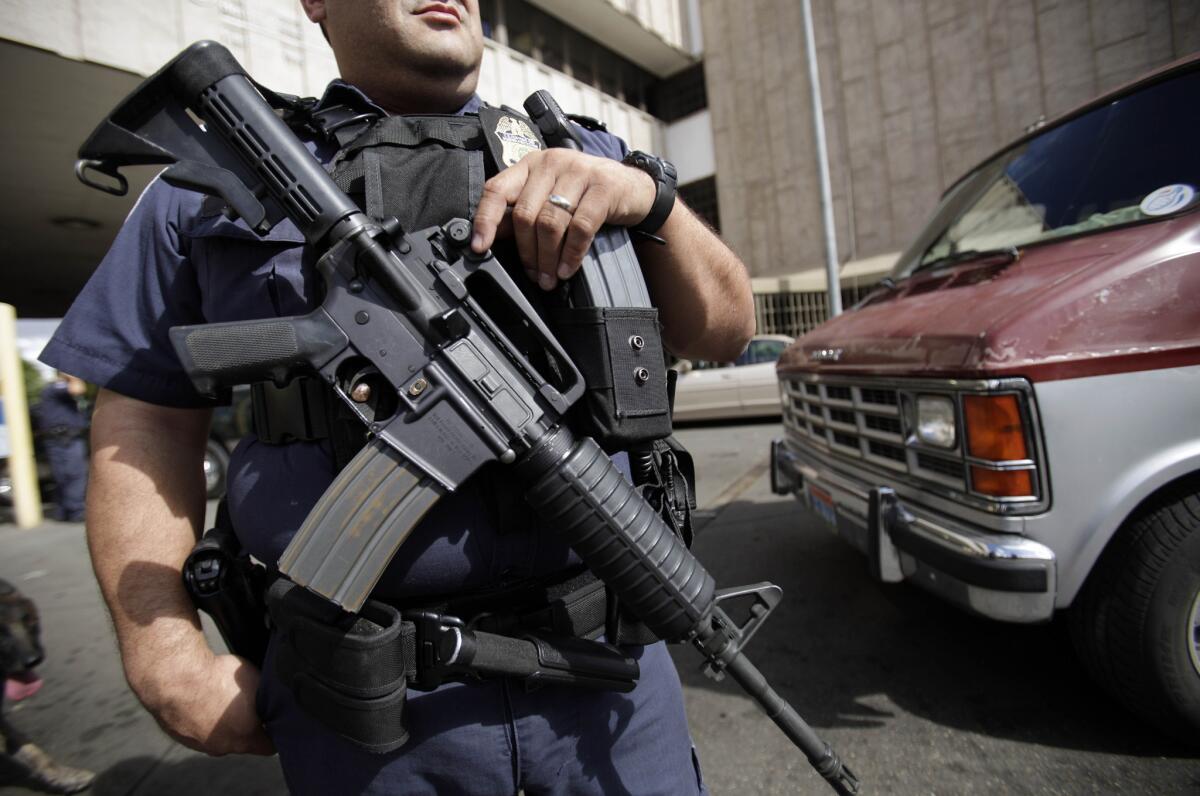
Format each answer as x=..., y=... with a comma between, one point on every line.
x=854, y=273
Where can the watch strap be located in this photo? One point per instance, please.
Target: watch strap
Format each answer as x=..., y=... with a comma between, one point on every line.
x=665, y=176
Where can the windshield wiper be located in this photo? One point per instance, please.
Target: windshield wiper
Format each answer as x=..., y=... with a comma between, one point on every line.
x=1006, y=255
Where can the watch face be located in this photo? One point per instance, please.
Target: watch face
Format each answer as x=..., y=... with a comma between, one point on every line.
x=655, y=166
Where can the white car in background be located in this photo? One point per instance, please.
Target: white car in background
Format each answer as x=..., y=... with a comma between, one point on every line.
x=746, y=387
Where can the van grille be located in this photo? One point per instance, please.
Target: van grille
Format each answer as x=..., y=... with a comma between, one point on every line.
x=865, y=423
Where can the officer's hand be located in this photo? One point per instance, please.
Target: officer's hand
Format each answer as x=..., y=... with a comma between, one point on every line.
x=211, y=708
x=551, y=240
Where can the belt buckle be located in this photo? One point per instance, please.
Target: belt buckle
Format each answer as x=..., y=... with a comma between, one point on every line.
x=439, y=639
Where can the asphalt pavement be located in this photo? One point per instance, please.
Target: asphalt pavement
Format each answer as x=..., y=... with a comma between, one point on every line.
x=916, y=696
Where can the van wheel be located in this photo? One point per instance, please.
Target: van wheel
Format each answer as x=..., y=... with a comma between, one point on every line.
x=216, y=467
x=1136, y=625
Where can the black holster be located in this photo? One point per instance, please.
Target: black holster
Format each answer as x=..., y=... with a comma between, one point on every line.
x=225, y=584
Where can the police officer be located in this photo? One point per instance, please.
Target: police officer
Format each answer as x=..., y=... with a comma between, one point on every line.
x=62, y=426
x=177, y=261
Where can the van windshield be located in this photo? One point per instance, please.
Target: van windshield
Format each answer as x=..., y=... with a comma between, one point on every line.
x=1135, y=158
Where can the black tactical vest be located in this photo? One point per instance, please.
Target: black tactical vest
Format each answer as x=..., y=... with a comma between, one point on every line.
x=425, y=170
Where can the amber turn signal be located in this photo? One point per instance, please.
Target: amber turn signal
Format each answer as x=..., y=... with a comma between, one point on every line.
x=995, y=433
x=1002, y=483
x=994, y=430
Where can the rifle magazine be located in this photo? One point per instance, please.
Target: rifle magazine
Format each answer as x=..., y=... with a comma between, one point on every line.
x=351, y=535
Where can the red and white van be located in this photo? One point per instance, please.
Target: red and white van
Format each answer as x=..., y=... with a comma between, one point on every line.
x=1012, y=419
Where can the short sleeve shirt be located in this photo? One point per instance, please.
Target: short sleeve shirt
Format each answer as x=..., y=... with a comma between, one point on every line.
x=178, y=261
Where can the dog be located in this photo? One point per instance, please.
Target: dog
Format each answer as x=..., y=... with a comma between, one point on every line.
x=24, y=762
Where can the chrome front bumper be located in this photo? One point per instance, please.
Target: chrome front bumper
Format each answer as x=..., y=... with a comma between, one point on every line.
x=998, y=575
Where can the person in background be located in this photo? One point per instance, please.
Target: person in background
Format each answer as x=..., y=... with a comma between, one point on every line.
x=61, y=422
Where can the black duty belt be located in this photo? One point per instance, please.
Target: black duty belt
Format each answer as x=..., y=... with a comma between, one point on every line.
x=575, y=604
x=352, y=672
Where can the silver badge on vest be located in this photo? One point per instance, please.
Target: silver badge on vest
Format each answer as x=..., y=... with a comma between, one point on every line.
x=510, y=135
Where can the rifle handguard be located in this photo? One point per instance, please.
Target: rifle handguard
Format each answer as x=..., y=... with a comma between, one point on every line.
x=577, y=489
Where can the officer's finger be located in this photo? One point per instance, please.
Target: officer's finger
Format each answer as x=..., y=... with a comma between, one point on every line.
x=591, y=213
x=498, y=193
x=552, y=224
x=526, y=211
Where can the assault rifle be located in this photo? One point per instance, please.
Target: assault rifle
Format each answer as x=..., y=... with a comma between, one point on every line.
x=411, y=336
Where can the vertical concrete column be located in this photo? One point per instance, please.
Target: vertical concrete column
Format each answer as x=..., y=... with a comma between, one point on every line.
x=21, y=468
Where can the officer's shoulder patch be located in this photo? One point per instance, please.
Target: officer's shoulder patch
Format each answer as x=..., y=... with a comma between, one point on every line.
x=510, y=135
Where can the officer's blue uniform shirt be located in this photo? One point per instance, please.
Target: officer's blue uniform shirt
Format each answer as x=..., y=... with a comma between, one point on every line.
x=176, y=263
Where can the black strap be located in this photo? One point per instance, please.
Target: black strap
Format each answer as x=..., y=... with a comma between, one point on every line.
x=298, y=412
x=306, y=410
x=460, y=132
x=372, y=167
x=341, y=123
x=576, y=603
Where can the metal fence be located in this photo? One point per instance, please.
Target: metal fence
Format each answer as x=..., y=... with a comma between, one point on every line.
x=795, y=313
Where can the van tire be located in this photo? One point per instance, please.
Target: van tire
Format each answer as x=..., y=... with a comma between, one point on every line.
x=1133, y=624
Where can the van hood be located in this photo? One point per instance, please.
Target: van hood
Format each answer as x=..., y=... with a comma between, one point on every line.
x=1121, y=300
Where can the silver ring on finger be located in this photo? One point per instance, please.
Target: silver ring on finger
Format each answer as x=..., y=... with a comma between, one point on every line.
x=558, y=200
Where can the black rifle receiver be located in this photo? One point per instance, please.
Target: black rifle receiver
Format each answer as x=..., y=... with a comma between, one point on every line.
x=408, y=337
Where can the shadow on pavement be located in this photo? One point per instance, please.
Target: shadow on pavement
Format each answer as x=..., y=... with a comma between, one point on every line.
x=841, y=644
x=193, y=775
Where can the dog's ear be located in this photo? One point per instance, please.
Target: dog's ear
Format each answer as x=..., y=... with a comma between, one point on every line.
x=6, y=588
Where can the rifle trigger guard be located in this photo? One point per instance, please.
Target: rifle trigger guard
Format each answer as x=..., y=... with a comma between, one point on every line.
x=83, y=167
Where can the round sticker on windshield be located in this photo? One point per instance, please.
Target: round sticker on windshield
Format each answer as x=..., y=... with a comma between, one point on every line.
x=1168, y=199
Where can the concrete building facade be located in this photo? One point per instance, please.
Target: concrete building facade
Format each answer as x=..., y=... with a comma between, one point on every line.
x=69, y=62
x=915, y=93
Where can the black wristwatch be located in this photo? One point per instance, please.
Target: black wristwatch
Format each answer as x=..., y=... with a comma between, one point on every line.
x=664, y=174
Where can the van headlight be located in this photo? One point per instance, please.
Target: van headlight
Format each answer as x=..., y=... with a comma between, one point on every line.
x=936, y=422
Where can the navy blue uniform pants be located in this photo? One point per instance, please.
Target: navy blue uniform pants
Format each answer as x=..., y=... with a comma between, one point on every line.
x=68, y=459
x=494, y=738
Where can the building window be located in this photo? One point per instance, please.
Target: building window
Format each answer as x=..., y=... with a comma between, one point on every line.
x=581, y=57
x=551, y=36
x=538, y=35
x=487, y=17
x=608, y=72
x=681, y=94
x=518, y=18
x=637, y=86
x=701, y=196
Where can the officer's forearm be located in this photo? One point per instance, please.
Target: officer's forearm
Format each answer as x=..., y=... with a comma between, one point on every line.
x=145, y=506
x=701, y=288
